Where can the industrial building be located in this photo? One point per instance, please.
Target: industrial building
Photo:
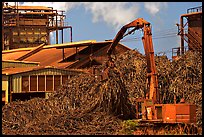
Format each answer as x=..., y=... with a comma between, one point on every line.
x=26, y=82
x=30, y=26
x=88, y=83
x=49, y=62
x=31, y=67
x=190, y=31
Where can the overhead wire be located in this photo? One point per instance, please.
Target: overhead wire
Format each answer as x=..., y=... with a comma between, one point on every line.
x=170, y=32
x=156, y=37
x=160, y=34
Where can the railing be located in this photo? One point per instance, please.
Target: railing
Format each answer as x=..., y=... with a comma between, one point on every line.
x=59, y=24
x=195, y=9
x=176, y=52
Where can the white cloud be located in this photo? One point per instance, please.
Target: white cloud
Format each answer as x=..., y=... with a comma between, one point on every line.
x=154, y=7
x=56, y=5
x=114, y=14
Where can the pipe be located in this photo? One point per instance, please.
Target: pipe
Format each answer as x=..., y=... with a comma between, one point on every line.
x=62, y=37
x=182, y=35
x=56, y=29
x=70, y=27
x=70, y=32
x=9, y=89
x=2, y=26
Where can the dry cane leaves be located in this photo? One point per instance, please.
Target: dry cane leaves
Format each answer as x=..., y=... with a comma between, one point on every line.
x=85, y=105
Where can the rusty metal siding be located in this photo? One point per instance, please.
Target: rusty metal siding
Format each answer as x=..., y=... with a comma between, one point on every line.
x=5, y=83
x=16, y=84
x=195, y=27
x=5, y=86
x=195, y=23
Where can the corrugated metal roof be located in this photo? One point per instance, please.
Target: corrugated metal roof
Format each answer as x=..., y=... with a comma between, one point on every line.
x=95, y=56
x=31, y=52
x=14, y=53
x=49, y=55
x=16, y=50
x=52, y=56
x=16, y=61
x=72, y=44
x=63, y=65
x=11, y=71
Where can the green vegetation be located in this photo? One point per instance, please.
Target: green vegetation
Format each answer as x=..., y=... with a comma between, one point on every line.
x=129, y=126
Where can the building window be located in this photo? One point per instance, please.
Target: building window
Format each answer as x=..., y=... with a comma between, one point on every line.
x=33, y=83
x=57, y=82
x=64, y=78
x=25, y=83
x=49, y=83
x=41, y=83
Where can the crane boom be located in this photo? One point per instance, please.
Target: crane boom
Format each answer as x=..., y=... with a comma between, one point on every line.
x=152, y=82
x=150, y=109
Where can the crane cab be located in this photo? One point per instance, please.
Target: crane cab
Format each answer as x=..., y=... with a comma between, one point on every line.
x=147, y=111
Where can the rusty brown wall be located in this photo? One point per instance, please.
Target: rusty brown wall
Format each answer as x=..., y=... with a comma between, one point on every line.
x=195, y=24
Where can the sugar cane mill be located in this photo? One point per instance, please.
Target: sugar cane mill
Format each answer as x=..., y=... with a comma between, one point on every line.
x=97, y=88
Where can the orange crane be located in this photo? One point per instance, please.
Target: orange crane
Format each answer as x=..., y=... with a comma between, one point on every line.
x=149, y=109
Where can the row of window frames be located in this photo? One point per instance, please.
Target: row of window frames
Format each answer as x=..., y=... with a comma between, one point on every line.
x=30, y=33
x=43, y=82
